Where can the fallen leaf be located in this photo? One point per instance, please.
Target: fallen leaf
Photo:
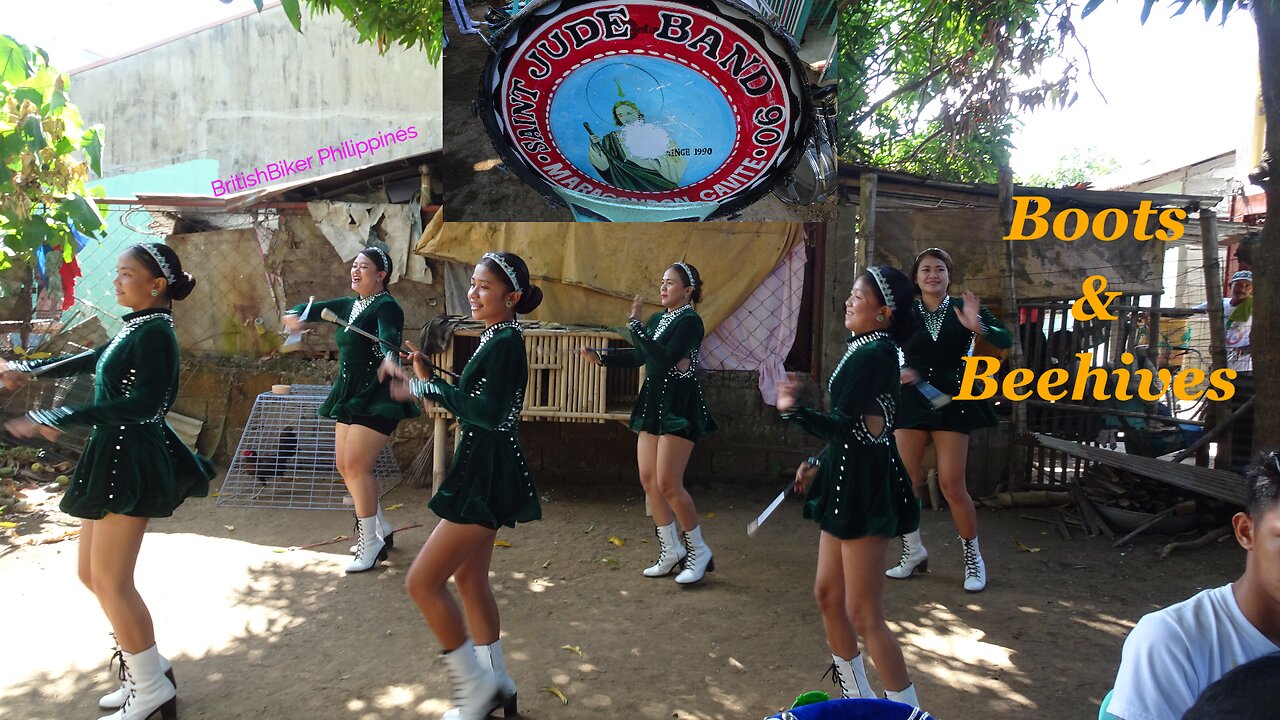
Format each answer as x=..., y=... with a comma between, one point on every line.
x=280, y=550
x=609, y=561
x=711, y=516
x=556, y=691
x=617, y=540
x=590, y=527
x=575, y=649
x=501, y=543
x=397, y=506
x=229, y=527
x=7, y=524
x=214, y=494
x=1024, y=548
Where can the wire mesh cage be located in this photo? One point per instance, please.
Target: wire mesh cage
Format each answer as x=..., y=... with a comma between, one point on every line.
x=286, y=459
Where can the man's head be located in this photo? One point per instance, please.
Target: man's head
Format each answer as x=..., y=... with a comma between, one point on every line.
x=1248, y=692
x=1241, y=286
x=1258, y=527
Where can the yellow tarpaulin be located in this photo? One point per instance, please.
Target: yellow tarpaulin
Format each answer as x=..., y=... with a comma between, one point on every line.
x=589, y=272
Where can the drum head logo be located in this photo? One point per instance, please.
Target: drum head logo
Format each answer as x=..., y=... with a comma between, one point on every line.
x=646, y=102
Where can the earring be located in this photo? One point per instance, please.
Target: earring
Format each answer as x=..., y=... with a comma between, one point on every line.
x=880, y=317
x=155, y=293
x=509, y=303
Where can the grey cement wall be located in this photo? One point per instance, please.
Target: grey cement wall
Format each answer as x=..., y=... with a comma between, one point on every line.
x=253, y=91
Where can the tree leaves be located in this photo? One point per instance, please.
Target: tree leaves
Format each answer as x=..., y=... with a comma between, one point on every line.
x=383, y=23
x=930, y=86
x=42, y=181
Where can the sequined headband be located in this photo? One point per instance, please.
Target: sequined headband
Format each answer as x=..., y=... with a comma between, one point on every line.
x=164, y=264
x=510, y=271
x=688, y=272
x=386, y=261
x=884, y=287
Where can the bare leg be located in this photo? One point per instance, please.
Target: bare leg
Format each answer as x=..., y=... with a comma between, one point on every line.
x=829, y=592
x=863, y=560
x=361, y=453
x=449, y=546
x=478, y=603
x=911, y=446
x=647, y=462
x=84, y=560
x=113, y=555
x=340, y=448
x=673, y=457
x=953, y=454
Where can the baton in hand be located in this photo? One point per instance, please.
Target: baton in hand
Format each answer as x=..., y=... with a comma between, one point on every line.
x=46, y=368
x=331, y=316
x=294, y=341
x=755, y=524
x=936, y=397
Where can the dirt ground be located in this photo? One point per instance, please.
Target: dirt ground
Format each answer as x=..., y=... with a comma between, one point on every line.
x=478, y=188
x=257, y=630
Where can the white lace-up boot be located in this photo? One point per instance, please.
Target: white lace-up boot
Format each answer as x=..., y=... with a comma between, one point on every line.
x=670, y=552
x=914, y=557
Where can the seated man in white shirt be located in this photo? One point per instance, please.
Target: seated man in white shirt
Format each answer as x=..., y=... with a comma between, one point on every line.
x=1172, y=655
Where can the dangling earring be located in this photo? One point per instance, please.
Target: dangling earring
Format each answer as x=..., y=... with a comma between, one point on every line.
x=155, y=293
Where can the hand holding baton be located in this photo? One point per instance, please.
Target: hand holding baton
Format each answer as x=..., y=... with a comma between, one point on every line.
x=755, y=524
x=14, y=379
x=331, y=316
x=294, y=341
x=936, y=397
x=46, y=368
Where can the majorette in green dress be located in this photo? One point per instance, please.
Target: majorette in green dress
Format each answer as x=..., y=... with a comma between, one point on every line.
x=488, y=483
x=357, y=390
x=134, y=464
x=937, y=352
x=671, y=400
x=861, y=487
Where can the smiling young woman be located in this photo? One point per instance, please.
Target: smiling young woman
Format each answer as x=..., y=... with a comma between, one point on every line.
x=488, y=486
x=363, y=408
x=133, y=468
x=669, y=415
x=857, y=489
x=936, y=354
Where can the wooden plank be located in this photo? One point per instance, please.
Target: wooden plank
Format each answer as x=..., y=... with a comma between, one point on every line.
x=1220, y=484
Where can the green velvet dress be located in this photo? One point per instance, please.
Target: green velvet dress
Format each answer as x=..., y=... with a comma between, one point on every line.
x=133, y=464
x=861, y=487
x=488, y=483
x=937, y=352
x=671, y=400
x=357, y=391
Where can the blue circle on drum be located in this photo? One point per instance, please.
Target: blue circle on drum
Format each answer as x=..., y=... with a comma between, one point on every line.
x=676, y=126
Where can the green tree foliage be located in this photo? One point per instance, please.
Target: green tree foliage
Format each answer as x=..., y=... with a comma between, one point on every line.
x=383, y=23
x=42, y=178
x=1078, y=166
x=931, y=86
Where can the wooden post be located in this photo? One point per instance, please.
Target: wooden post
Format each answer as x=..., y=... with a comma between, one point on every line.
x=842, y=261
x=866, y=220
x=1019, y=463
x=1217, y=330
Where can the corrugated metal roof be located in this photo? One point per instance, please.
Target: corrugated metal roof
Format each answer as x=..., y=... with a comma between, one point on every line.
x=919, y=191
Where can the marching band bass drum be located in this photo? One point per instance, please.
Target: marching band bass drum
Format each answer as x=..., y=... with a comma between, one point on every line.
x=646, y=109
